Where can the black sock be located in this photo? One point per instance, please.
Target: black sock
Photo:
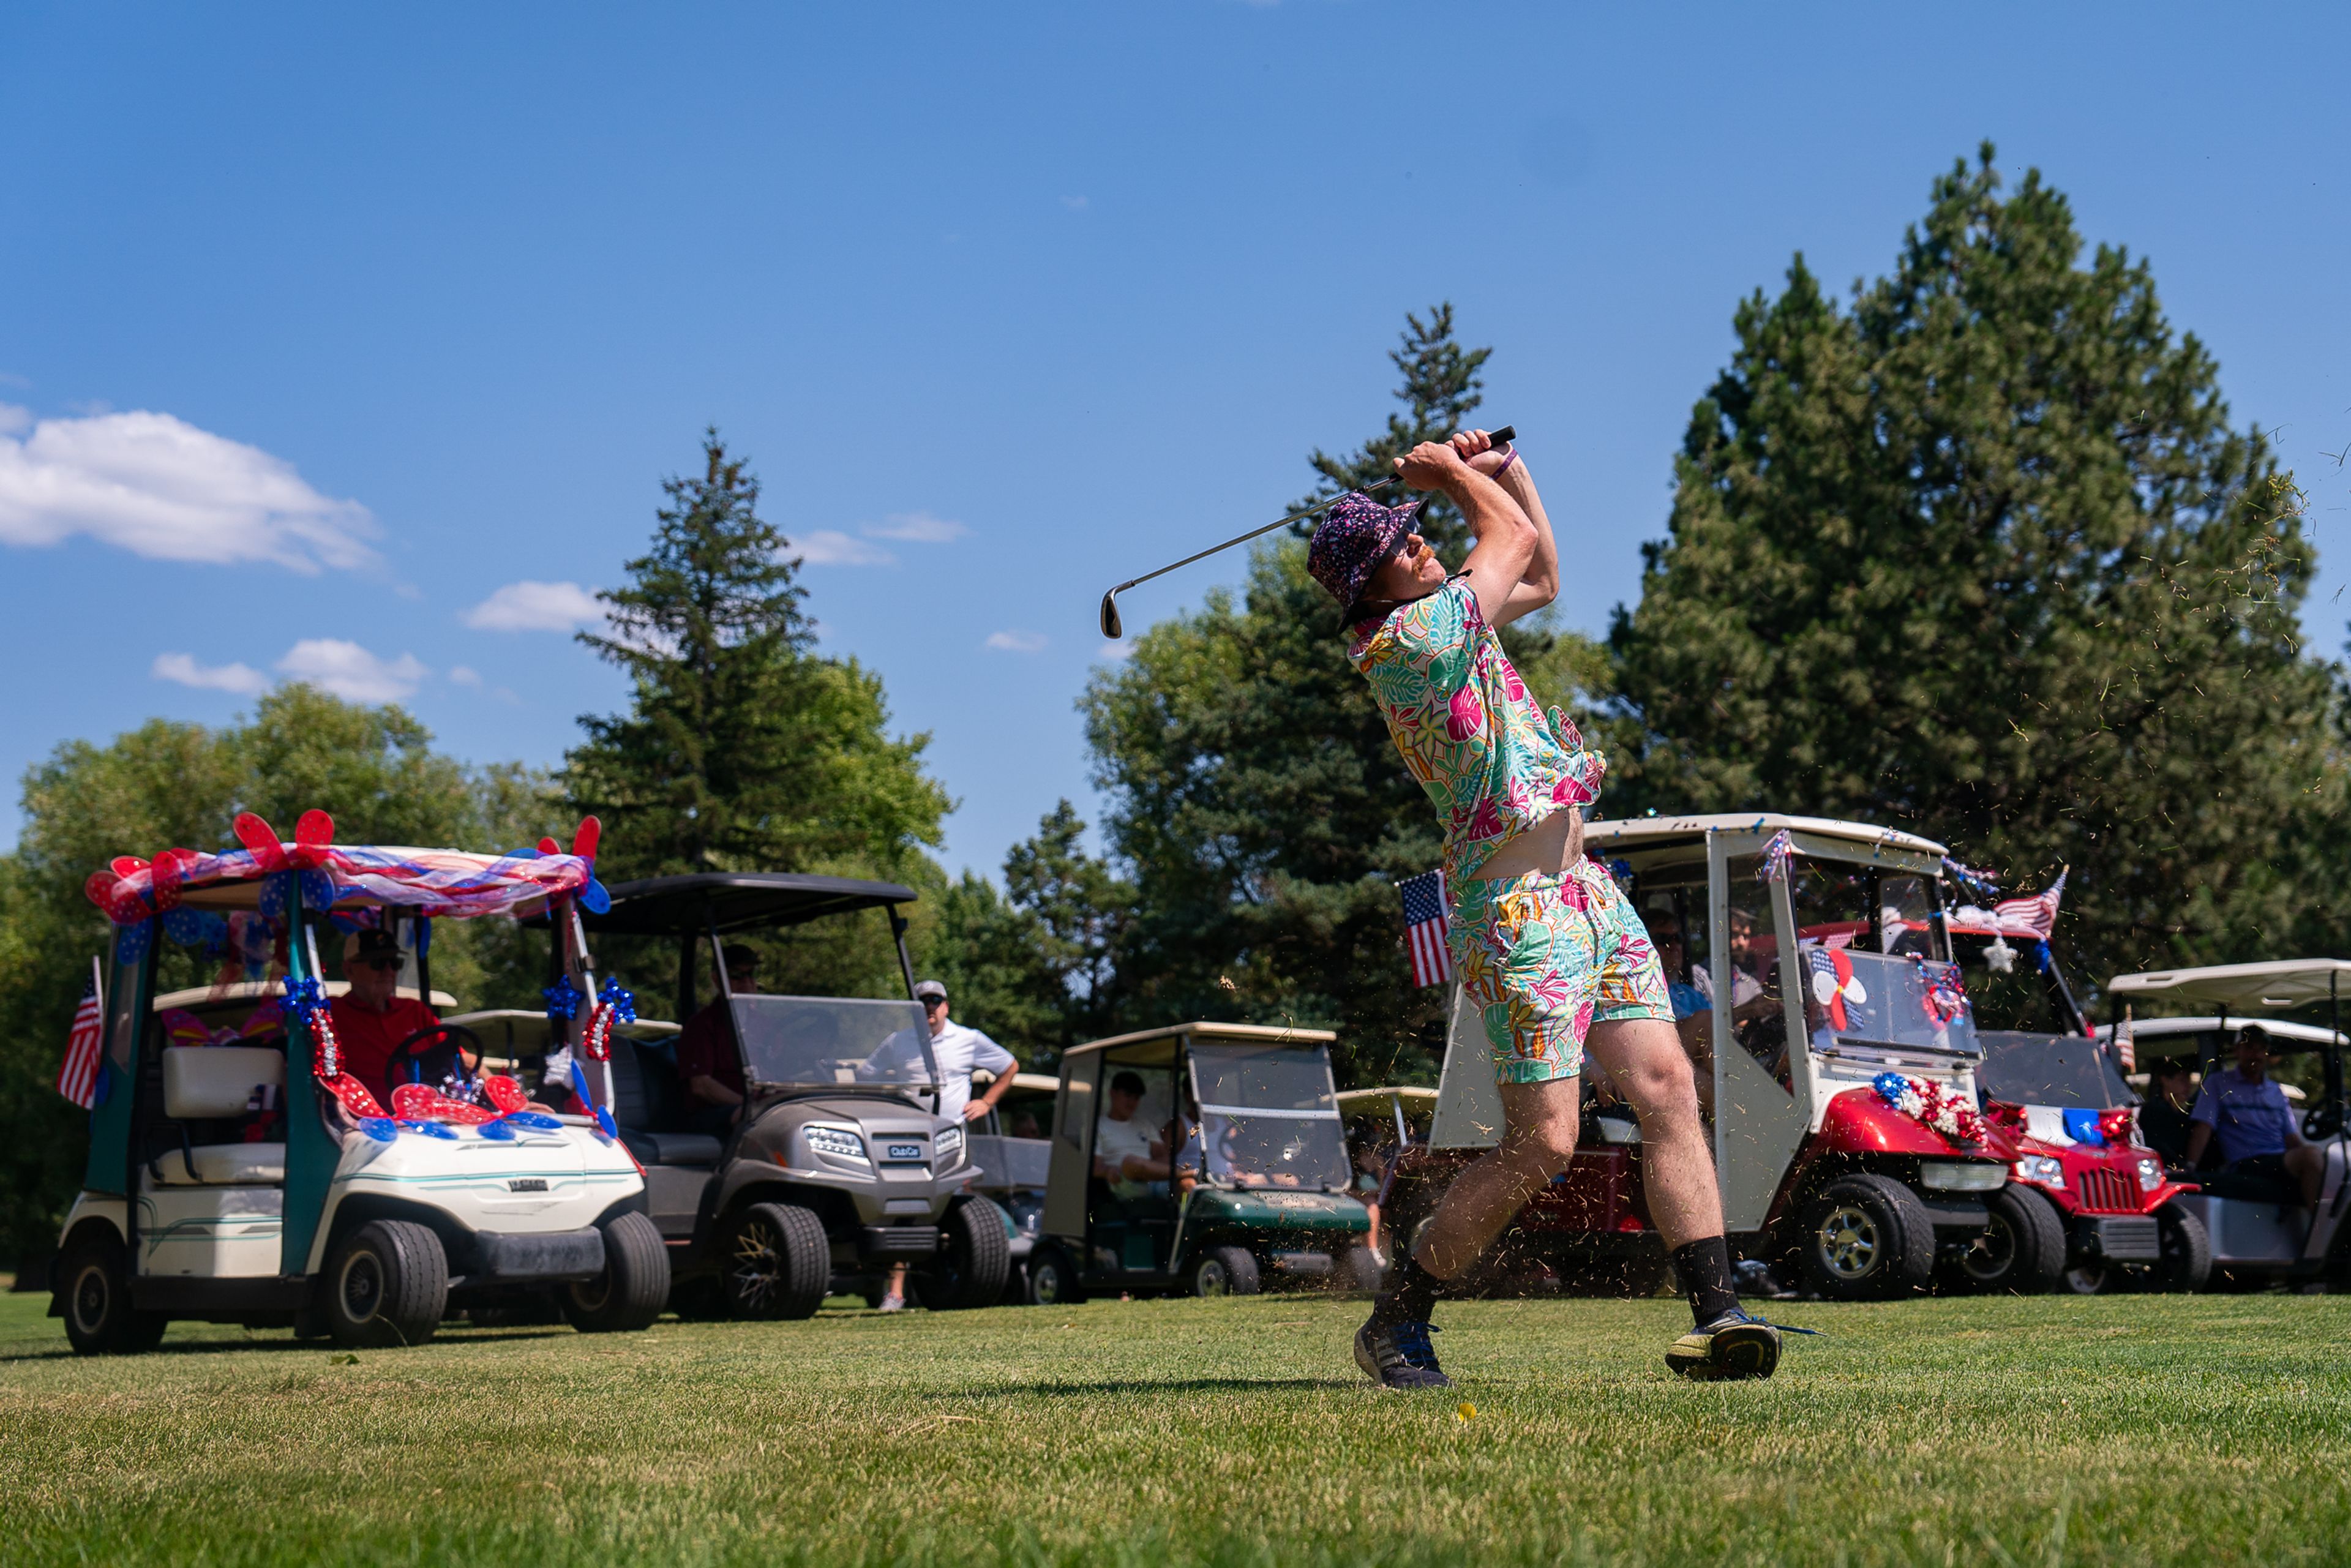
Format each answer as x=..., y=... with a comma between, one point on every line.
x=1705, y=1269
x=1411, y=1300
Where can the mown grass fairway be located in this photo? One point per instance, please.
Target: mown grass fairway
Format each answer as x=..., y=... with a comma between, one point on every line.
x=2198, y=1430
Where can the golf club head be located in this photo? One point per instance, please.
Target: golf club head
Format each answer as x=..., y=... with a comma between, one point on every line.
x=1110, y=622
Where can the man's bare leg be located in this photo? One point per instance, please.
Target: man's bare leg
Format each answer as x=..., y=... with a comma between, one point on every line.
x=1652, y=1071
x=1539, y=1130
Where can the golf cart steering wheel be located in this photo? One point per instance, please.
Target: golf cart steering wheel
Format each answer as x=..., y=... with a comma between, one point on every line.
x=407, y=1055
x=2323, y=1121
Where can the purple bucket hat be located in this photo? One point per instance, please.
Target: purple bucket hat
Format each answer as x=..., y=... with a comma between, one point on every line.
x=1353, y=540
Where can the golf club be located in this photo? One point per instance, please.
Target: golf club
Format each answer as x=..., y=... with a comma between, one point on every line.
x=1110, y=626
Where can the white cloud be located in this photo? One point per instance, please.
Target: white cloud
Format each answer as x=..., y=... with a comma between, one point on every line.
x=1115, y=652
x=242, y=679
x=1075, y=203
x=915, y=528
x=464, y=675
x=1016, y=641
x=350, y=671
x=535, y=607
x=830, y=547
x=160, y=487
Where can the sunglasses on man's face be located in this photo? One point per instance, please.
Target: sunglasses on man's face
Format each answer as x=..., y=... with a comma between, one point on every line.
x=379, y=964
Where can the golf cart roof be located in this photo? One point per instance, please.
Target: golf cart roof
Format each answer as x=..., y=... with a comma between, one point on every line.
x=529, y=1029
x=730, y=901
x=242, y=991
x=1643, y=833
x=1027, y=1082
x=1413, y=1096
x=2148, y=1031
x=1240, y=1033
x=2282, y=984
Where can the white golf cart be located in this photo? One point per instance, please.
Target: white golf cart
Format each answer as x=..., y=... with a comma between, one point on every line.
x=1013, y=1148
x=2262, y=1230
x=237, y=1175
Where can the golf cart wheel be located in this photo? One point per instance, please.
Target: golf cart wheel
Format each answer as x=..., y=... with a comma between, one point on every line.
x=2021, y=1249
x=94, y=1286
x=1866, y=1236
x=1054, y=1279
x=630, y=1291
x=1225, y=1271
x=970, y=1268
x=2090, y=1277
x=778, y=1262
x=2187, y=1248
x=1361, y=1271
x=386, y=1285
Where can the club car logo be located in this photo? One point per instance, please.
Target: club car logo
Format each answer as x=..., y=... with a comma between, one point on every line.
x=906, y=1151
x=528, y=1184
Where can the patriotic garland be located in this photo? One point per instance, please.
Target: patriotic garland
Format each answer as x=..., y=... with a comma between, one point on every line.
x=1930, y=1104
x=1776, y=856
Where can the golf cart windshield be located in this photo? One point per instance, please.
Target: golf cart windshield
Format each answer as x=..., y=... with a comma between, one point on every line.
x=1269, y=1117
x=2065, y=1070
x=1866, y=978
x=823, y=1042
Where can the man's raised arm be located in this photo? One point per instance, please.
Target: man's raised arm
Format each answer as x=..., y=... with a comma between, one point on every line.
x=1506, y=539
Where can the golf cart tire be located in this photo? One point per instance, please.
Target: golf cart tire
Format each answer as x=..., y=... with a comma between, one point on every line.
x=94, y=1286
x=1054, y=1279
x=1361, y=1273
x=778, y=1263
x=2187, y=1247
x=386, y=1285
x=971, y=1265
x=634, y=1286
x=1864, y=1238
x=1225, y=1271
x=2022, y=1251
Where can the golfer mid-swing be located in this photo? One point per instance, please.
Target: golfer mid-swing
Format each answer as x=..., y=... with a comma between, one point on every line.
x=1542, y=941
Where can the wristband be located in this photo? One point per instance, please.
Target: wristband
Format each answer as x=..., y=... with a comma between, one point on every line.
x=1507, y=460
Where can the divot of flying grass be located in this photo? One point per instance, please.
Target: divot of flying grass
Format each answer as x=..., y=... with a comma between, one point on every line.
x=2145, y=1429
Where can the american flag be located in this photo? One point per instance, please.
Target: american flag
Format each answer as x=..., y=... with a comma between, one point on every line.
x=2037, y=914
x=1424, y=926
x=77, y=1077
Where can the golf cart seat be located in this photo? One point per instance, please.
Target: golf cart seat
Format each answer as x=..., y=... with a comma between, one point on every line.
x=207, y=1085
x=644, y=1094
x=2247, y=1187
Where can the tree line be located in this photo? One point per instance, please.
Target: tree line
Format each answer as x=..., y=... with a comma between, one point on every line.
x=1976, y=551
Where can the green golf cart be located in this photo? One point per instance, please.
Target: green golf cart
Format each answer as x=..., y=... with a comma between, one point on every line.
x=1201, y=1158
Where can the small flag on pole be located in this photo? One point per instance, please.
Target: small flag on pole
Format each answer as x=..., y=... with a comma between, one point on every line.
x=2127, y=1044
x=2037, y=914
x=77, y=1077
x=1424, y=925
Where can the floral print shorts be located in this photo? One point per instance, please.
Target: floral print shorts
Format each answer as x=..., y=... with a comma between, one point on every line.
x=1544, y=959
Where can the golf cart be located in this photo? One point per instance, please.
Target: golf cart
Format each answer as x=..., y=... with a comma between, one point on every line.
x=1838, y=1083
x=839, y=1165
x=238, y=1173
x=2261, y=1230
x=1381, y=1124
x=1013, y=1151
x=1254, y=1108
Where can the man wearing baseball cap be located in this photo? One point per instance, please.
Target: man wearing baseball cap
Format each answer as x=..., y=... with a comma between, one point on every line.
x=373, y=1017
x=959, y=1053
x=1545, y=945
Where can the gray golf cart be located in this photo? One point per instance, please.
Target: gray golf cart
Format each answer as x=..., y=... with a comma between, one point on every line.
x=839, y=1165
x=1271, y=1196
x=2260, y=1231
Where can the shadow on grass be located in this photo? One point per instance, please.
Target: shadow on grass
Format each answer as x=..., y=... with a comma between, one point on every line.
x=1060, y=1390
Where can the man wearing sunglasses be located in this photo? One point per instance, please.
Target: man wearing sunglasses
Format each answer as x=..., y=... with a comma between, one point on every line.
x=373, y=1017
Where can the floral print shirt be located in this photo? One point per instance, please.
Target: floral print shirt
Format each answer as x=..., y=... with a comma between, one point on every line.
x=1491, y=763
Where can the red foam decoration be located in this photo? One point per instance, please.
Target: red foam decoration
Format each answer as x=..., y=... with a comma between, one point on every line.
x=352, y=1094
x=314, y=832
x=584, y=841
x=423, y=1102
x=125, y=865
x=259, y=837
x=505, y=1093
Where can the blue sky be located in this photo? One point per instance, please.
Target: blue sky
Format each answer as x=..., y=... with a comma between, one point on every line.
x=325, y=328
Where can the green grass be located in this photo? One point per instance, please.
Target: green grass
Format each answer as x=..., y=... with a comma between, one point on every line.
x=2121, y=1430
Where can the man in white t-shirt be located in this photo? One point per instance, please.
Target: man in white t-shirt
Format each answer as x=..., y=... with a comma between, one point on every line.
x=959, y=1053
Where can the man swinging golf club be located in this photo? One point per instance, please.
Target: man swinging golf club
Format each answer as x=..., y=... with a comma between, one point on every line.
x=1542, y=940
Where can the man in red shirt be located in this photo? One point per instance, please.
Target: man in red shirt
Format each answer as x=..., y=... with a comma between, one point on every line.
x=371, y=1018
x=707, y=1062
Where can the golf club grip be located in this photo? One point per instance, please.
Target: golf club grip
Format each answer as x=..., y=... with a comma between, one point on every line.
x=1496, y=438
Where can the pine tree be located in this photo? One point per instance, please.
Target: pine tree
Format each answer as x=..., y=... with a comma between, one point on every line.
x=1981, y=557
x=742, y=749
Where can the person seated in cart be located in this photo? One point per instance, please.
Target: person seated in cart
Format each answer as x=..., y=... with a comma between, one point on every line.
x=373, y=1017
x=1129, y=1154
x=708, y=1065
x=2164, y=1120
x=2245, y=1109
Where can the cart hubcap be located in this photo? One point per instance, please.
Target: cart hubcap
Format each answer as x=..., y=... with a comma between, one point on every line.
x=1991, y=1254
x=758, y=1262
x=1848, y=1242
x=1212, y=1281
x=90, y=1296
x=362, y=1287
